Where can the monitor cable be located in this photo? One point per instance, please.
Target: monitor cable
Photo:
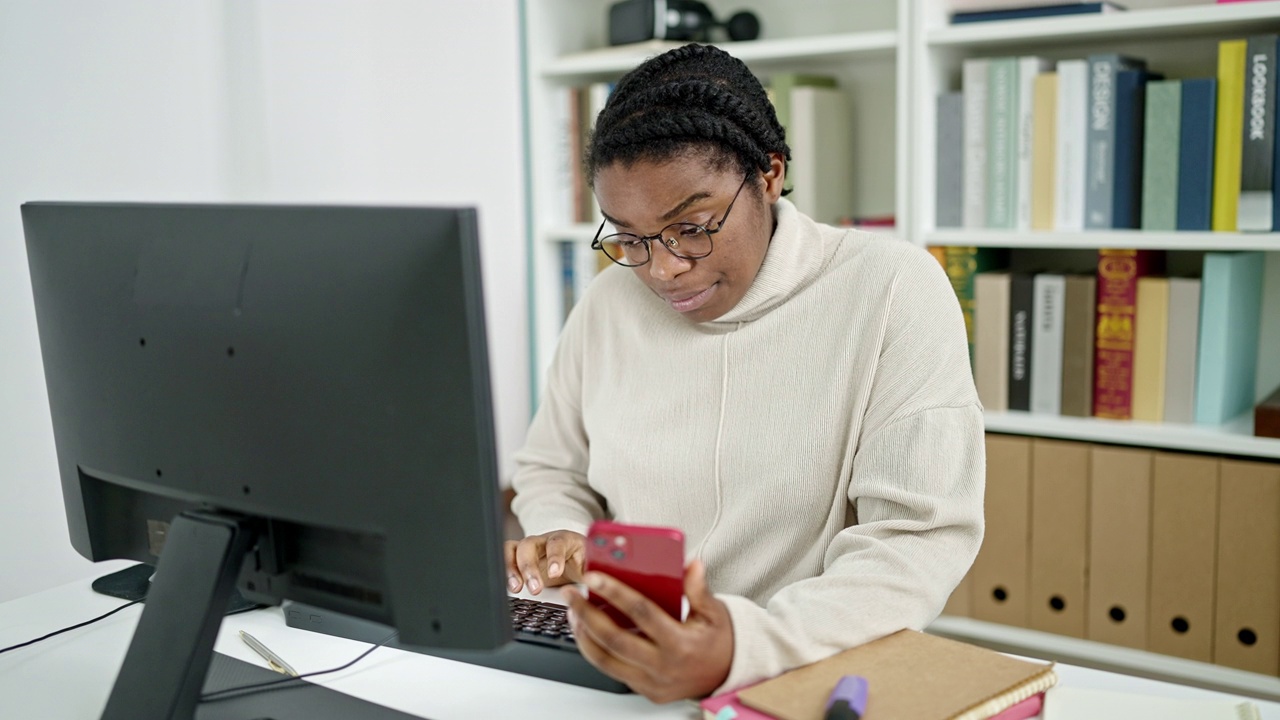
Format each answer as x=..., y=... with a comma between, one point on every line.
x=101, y=617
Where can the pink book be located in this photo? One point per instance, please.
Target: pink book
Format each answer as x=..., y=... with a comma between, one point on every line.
x=1028, y=708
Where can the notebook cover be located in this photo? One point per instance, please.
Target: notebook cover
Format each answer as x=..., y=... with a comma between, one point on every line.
x=963, y=681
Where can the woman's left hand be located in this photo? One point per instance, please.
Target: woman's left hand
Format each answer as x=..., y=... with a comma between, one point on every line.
x=676, y=660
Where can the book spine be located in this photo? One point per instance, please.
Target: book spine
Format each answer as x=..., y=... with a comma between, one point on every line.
x=1180, y=360
x=1100, y=157
x=1033, y=12
x=1118, y=273
x=568, y=284
x=1002, y=142
x=1150, y=345
x=1078, y=331
x=991, y=340
x=1021, y=341
x=1227, y=145
x=961, y=264
x=949, y=197
x=974, y=71
x=1071, y=146
x=1266, y=417
x=1046, y=344
x=577, y=144
x=1044, y=134
x=1027, y=70
x=1126, y=175
x=1230, y=327
x=1196, y=153
x=1257, y=135
x=1160, y=156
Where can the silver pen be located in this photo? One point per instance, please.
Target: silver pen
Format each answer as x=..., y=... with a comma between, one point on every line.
x=273, y=660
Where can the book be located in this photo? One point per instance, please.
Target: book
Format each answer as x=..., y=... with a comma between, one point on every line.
x=1023, y=13
x=974, y=79
x=1071, y=145
x=991, y=339
x=962, y=265
x=1021, y=305
x=780, y=90
x=1046, y=344
x=1027, y=70
x=949, y=198
x=1180, y=360
x=1227, y=140
x=1253, y=213
x=1196, y=150
x=1118, y=273
x=1002, y=142
x=1074, y=703
x=1044, y=138
x=1150, y=349
x=1230, y=325
x=1078, y=320
x=1266, y=416
x=1126, y=193
x=963, y=681
x=1100, y=157
x=1161, y=141
x=821, y=152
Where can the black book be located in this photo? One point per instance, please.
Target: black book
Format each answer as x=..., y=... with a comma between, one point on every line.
x=1021, y=305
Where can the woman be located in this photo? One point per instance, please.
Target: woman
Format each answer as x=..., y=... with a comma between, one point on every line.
x=795, y=397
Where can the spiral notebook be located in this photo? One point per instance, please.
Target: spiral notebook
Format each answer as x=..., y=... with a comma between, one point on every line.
x=912, y=676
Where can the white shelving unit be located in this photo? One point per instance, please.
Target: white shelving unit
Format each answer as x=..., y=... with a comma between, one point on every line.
x=894, y=57
x=566, y=46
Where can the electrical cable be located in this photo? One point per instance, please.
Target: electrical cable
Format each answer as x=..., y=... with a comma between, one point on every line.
x=68, y=629
x=244, y=690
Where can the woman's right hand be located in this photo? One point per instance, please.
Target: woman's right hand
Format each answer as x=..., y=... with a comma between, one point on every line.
x=546, y=560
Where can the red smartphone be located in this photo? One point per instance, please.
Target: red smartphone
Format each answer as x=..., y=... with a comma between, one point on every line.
x=648, y=559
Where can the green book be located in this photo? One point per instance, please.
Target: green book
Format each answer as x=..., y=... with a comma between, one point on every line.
x=1160, y=155
x=1002, y=142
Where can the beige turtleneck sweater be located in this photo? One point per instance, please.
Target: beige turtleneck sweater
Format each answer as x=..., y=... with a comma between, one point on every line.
x=820, y=445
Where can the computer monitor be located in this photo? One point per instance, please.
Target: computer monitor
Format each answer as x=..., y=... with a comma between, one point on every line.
x=293, y=401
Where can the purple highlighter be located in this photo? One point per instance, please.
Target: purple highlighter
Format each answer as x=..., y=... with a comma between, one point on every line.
x=849, y=700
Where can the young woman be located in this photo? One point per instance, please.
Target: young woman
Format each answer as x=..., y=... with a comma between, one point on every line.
x=795, y=397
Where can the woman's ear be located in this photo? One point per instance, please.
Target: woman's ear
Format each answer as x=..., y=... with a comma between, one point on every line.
x=774, y=178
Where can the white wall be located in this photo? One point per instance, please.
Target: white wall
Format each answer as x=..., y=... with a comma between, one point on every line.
x=352, y=101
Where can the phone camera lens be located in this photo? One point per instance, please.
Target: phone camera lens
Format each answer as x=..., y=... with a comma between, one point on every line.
x=618, y=555
x=599, y=541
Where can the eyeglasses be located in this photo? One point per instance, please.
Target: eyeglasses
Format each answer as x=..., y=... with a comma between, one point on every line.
x=684, y=240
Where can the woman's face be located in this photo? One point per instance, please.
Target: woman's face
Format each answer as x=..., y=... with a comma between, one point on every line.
x=646, y=197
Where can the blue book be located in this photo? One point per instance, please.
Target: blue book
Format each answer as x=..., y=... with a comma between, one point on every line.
x=1083, y=8
x=1230, y=326
x=1130, y=122
x=1100, y=136
x=1195, y=153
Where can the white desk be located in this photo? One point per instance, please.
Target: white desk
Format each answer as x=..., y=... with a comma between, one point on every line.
x=70, y=676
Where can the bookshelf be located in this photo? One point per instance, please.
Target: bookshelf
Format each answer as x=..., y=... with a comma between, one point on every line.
x=893, y=58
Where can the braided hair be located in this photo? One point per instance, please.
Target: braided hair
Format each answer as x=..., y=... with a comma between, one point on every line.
x=695, y=98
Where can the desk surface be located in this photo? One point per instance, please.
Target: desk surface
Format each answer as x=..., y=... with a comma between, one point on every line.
x=70, y=676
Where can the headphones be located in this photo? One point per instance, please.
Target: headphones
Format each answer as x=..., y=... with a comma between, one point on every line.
x=633, y=21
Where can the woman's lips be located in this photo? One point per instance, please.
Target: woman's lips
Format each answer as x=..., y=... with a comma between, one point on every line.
x=690, y=303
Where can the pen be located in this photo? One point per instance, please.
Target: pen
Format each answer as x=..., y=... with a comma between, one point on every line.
x=849, y=699
x=273, y=660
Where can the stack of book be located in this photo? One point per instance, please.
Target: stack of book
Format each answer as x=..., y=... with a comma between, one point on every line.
x=1104, y=142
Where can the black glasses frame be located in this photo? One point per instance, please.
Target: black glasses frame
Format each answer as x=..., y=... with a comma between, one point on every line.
x=671, y=245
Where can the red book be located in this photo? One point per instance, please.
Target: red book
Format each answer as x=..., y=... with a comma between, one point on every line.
x=1118, y=273
x=1266, y=417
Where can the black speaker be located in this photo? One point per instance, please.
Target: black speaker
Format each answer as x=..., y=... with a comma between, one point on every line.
x=632, y=21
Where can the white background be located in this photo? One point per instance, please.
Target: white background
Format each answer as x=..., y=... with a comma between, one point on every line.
x=343, y=101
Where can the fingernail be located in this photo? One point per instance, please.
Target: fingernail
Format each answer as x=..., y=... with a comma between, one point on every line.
x=553, y=569
x=513, y=583
x=533, y=585
x=594, y=581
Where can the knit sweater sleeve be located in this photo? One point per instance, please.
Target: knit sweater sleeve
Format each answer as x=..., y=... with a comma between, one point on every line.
x=916, y=489
x=551, y=468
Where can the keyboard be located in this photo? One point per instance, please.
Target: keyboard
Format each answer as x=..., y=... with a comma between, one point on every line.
x=541, y=623
x=544, y=646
